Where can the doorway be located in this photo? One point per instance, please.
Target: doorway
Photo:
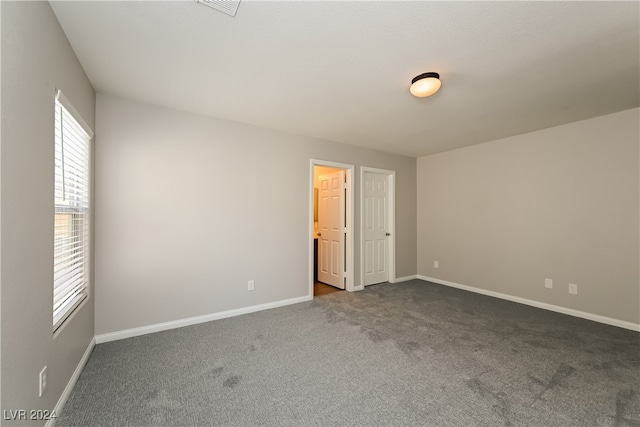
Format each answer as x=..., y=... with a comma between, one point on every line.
x=377, y=226
x=331, y=225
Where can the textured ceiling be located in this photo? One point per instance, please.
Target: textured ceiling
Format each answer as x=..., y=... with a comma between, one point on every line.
x=341, y=70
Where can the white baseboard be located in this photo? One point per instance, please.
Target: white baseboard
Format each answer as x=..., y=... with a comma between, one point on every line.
x=404, y=279
x=571, y=312
x=72, y=382
x=396, y=280
x=143, y=330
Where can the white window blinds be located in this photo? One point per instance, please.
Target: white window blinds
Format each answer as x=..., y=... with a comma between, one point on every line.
x=71, y=230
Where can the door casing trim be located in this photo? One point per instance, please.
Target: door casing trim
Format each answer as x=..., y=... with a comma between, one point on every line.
x=349, y=209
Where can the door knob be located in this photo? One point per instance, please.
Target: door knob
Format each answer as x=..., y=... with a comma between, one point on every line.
x=319, y=234
x=387, y=234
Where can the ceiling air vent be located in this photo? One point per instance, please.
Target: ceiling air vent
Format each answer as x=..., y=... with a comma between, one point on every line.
x=230, y=7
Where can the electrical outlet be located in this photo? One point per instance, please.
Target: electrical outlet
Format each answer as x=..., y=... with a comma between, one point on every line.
x=573, y=288
x=43, y=381
x=548, y=283
x=436, y=264
x=251, y=285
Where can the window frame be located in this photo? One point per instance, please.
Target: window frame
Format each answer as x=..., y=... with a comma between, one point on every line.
x=73, y=216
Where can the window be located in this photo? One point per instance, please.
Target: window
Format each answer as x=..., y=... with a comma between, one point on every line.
x=71, y=224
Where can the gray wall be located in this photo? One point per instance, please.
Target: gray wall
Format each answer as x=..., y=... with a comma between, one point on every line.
x=189, y=208
x=560, y=203
x=36, y=59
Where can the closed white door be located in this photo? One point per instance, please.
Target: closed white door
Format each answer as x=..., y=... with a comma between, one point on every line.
x=376, y=228
x=331, y=229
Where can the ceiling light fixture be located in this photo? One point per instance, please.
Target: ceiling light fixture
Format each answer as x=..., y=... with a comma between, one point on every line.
x=425, y=84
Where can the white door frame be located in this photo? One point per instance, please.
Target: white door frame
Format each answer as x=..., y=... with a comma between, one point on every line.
x=348, y=205
x=391, y=176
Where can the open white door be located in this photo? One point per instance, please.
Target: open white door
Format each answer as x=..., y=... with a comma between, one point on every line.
x=376, y=228
x=331, y=229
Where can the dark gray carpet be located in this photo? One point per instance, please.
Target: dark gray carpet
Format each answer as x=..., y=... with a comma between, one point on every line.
x=413, y=353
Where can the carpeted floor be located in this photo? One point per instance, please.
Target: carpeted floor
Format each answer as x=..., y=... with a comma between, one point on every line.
x=412, y=353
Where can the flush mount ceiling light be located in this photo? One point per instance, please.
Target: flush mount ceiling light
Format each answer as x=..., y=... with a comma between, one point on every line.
x=425, y=84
